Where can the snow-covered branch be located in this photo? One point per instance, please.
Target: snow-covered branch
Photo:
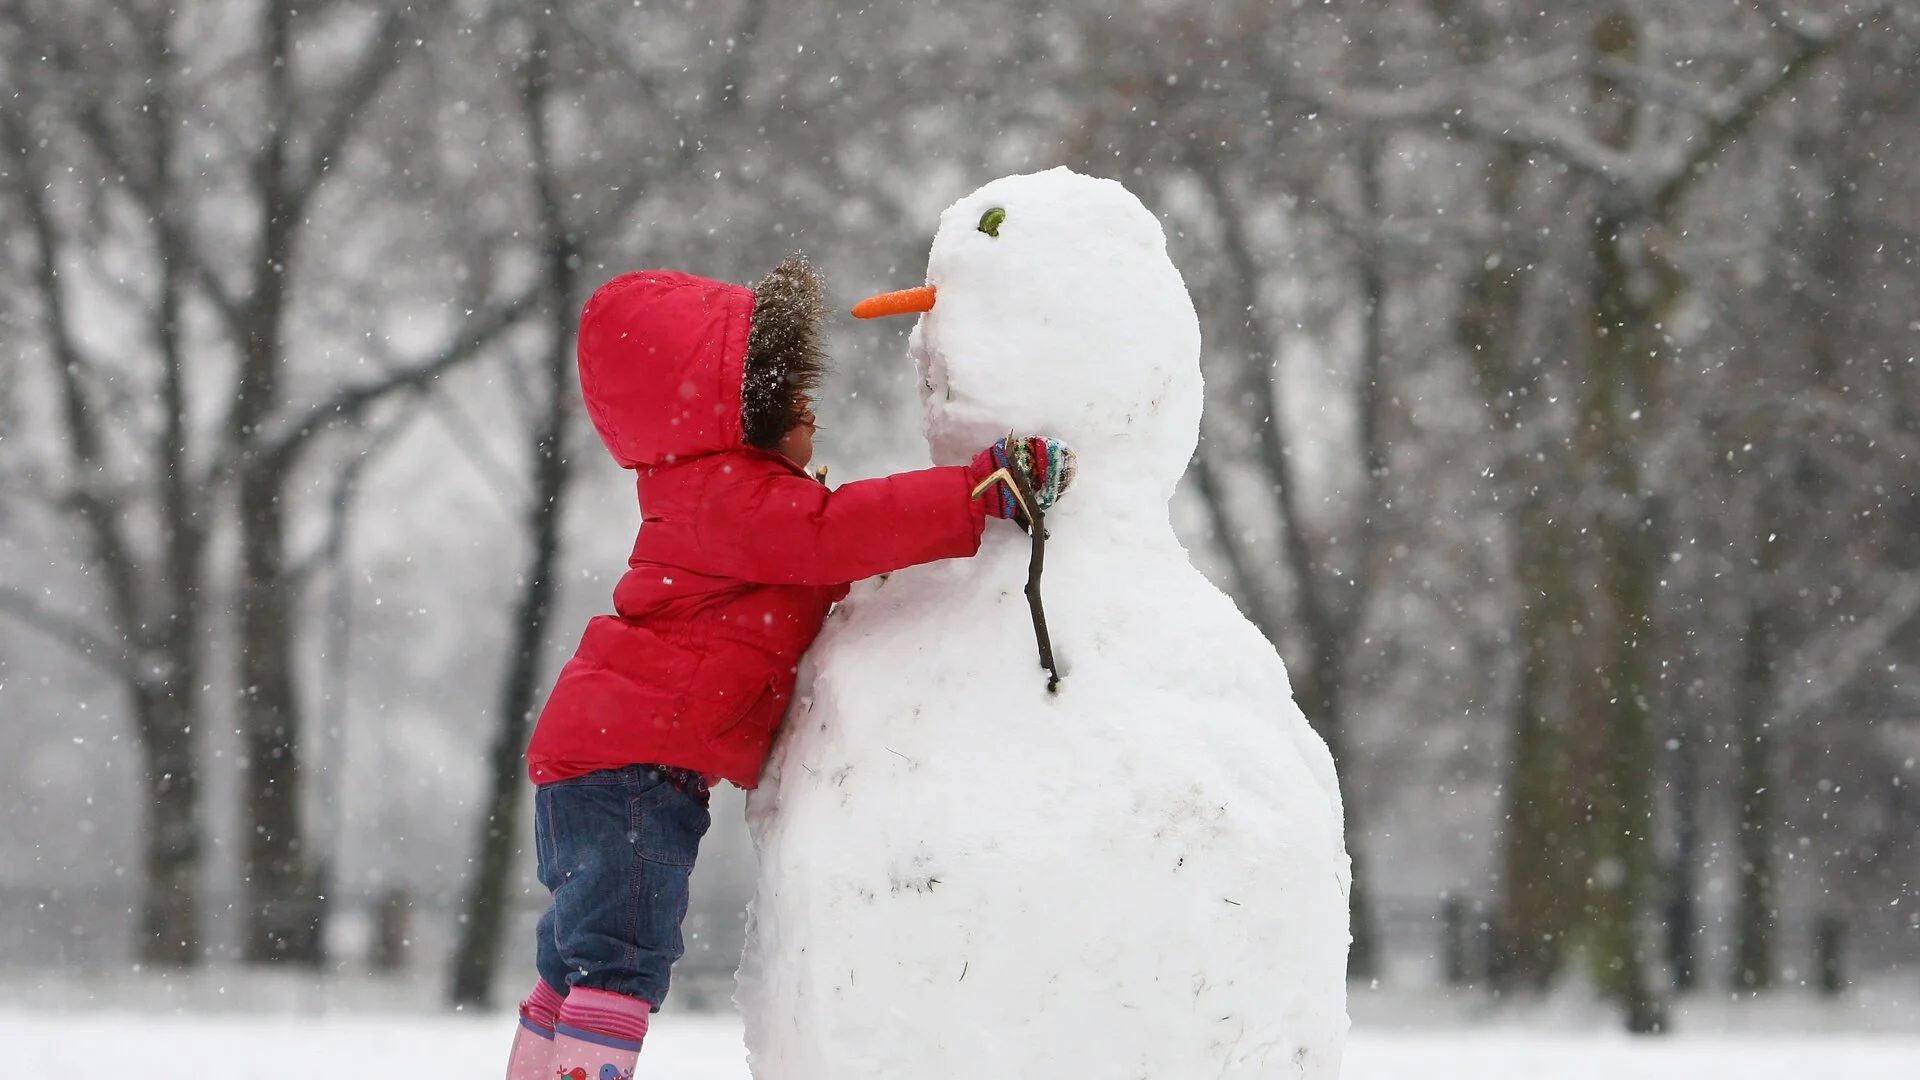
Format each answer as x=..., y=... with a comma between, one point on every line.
x=80, y=639
x=1834, y=661
x=349, y=100
x=1503, y=102
x=347, y=403
x=1680, y=163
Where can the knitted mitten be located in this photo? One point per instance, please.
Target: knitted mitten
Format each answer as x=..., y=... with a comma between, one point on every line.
x=1047, y=465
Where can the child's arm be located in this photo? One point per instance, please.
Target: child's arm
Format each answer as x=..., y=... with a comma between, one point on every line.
x=791, y=530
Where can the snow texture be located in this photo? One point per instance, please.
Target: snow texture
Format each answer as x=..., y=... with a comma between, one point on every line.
x=964, y=876
x=688, y=1047
x=694, y=1047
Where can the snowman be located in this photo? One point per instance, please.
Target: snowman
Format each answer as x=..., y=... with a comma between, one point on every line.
x=964, y=874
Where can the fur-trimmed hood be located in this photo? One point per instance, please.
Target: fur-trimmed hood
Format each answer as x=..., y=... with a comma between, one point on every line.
x=675, y=366
x=786, y=356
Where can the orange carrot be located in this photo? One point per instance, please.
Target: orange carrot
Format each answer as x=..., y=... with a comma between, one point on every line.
x=902, y=302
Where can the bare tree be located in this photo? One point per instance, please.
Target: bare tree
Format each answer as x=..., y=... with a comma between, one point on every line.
x=1597, y=524
x=265, y=163
x=119, y=477
x=1586, y=424
x=565, y=241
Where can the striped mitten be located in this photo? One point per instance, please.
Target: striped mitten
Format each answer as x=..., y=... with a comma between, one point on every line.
x=1046, y=464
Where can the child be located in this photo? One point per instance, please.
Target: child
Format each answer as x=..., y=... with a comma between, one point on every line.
x=704, y=390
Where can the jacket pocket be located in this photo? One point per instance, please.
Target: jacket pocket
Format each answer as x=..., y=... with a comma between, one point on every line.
x=749, y=722
x=732, y=681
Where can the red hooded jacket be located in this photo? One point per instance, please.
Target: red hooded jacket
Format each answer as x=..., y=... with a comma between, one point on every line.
x=740, y=554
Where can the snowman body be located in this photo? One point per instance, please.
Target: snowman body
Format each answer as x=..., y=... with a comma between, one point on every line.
x=965, y=875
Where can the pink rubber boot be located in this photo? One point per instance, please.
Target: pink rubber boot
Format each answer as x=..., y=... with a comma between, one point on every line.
x=532, y=1055
x=598, y=1035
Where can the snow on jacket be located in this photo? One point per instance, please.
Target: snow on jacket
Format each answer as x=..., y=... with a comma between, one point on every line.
x=740, y=554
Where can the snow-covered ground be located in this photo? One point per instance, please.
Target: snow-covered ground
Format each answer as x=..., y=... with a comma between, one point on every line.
x=709, y=1047
x=223, y=1021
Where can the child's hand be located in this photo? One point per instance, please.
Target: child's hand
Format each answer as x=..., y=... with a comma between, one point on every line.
x=1046, y=464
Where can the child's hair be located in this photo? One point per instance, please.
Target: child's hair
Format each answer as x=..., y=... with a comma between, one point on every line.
x=785, y=360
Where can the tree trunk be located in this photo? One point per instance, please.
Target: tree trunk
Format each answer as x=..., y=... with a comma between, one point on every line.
x=170, y=911
x=156, y=642
x=500, y=831
x=1544, y=837
x=1542, y=840
x=1328, y=627
x=1322, y=696
x=1363, y=961
x=1754, y=923
x=1624, y=351
x=169, y=932
x=1626, y=820
x=1682, y=913
x=284, y=910
x=1618, y=416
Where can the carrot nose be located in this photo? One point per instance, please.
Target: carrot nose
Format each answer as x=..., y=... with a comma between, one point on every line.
x=895, y=303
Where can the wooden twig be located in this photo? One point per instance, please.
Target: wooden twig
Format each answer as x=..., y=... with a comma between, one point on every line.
x=1037, y=529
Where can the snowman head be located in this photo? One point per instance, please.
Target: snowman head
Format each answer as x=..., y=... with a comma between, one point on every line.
x=1054, y=310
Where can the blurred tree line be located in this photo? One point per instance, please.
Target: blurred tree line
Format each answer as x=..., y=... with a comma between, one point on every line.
x=1562, y=399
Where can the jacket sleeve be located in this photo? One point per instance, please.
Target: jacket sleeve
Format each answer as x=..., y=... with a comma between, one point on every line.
x=792, y=530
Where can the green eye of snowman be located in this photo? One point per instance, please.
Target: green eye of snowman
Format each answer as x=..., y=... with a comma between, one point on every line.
x=990, y=221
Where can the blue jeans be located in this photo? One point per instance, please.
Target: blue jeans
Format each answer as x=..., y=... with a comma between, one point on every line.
x=616, y=849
